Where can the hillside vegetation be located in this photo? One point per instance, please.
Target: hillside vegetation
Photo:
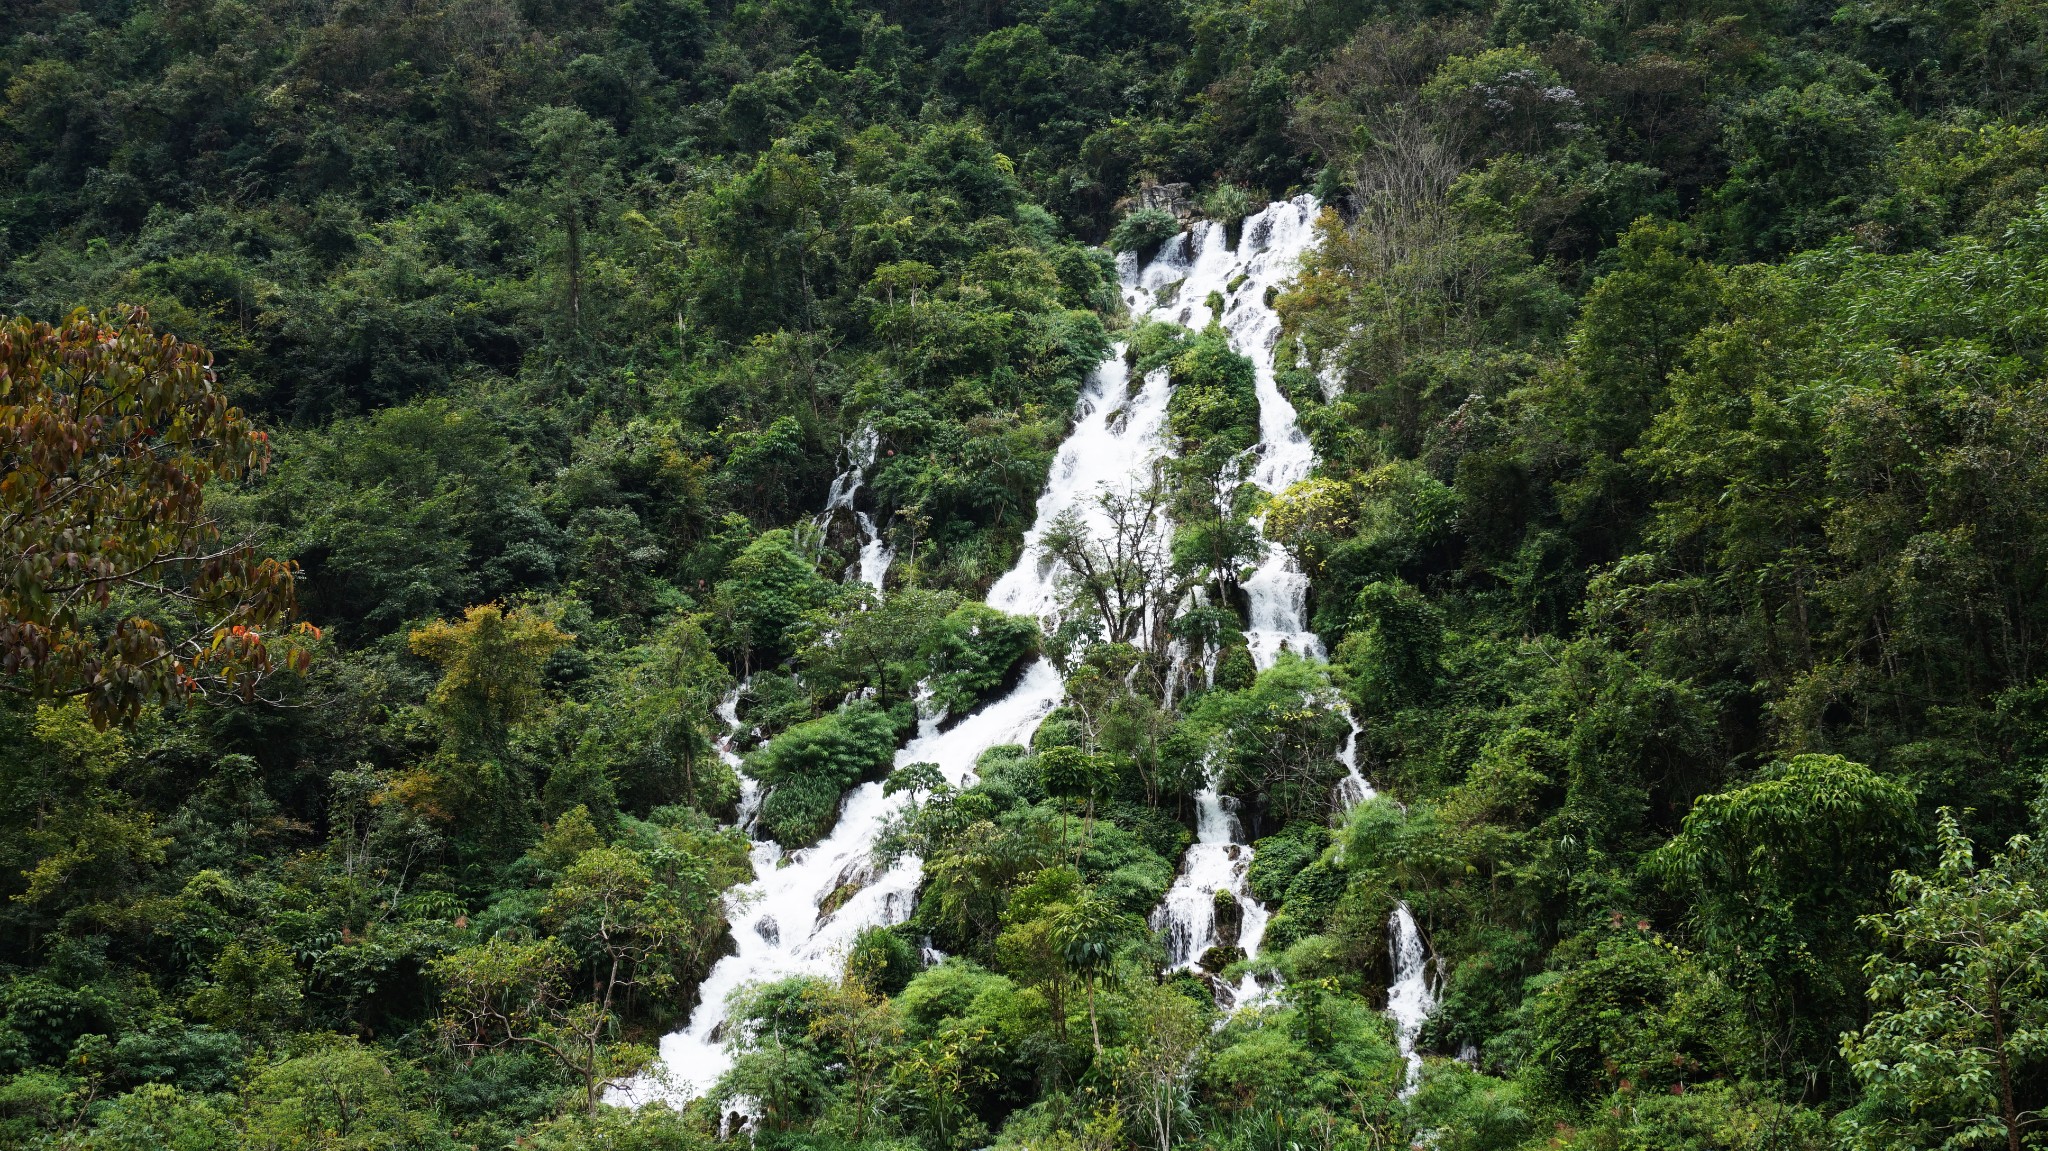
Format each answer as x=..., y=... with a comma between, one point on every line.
x=1679, y=541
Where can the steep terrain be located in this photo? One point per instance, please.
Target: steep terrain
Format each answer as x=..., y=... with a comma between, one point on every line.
x=834, y=574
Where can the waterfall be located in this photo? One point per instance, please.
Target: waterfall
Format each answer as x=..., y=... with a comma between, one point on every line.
x=778, y=920
x=1276, y=595
x=875, y=556
x=1177, y=288
x=1410, y=998
x=1353, y=789
x=751, y=794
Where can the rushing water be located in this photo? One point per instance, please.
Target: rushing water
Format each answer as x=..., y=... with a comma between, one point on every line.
x=1177, y=288
x=1410, y=998
x=875, y=557
x=1195, y=272
x=777, y=919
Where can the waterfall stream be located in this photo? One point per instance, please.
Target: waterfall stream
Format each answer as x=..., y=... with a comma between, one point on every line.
x=779, y=920
x=875, y=557
x=1177, y=288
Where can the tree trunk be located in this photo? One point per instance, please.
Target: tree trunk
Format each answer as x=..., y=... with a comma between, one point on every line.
x=1095, y=1030
x=2007, y=1111
x=575, y=268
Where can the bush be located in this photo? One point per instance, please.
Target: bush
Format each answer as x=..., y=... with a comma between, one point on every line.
x=1227, y=204
x=1215, y=394
x=799, y=812
x=881, y=961
x=1141, y=232
x=1277, y=859
x=974, y=653
x=811, y=764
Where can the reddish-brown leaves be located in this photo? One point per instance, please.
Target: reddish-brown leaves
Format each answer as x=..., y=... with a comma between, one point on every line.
x=109, y=433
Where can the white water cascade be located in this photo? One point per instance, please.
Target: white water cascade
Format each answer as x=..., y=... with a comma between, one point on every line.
x=778, y=920
x=1354, y=788
x=875, y=556
x=750, y=788
x=1197, y=268
x=1410, y=998
x=1178, y=290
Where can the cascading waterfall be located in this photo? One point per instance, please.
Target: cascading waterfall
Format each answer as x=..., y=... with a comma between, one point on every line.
x=875, y=557
x=1354, y=788
x=1177, y=288
x=750, y=788
x=1276, y=592
x=778, y=921
x=1410, y=998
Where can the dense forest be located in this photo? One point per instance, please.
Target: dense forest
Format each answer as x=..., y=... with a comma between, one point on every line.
x=484, y=482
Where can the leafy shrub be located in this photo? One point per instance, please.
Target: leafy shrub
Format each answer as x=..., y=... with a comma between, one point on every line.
x=975, y=650
x=809, y=766
x=1141, y=232
x=1277, y=859
x=881, y=961
x=800, y=811
x=1227, y=203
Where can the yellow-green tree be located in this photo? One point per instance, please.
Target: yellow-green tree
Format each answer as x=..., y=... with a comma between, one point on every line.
x=490, y=671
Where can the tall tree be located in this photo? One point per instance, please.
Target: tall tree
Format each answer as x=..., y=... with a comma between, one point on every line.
x=573, y=153
x=1953, y=1055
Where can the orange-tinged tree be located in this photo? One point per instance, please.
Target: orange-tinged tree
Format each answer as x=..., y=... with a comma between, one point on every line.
x=115, y=584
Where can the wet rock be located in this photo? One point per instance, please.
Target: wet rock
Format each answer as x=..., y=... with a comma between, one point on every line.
x=1229, y=919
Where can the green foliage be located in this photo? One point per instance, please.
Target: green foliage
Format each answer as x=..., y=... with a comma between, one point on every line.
x=1309, y=1053
x=1803, y=159
x=881, y=961
x=340, y=1094
x=1278, y=737
x=759, y=604
x=1673, y=373
x=1637, y=1011
x=1948, y=1057
x=1393, y=652
x=975, y=651
x=1277, y=859
x=959, y=652
x=1215, y=407
x=158, y=1115
x=811, y=764
x=1777, y=870
x=254, y=989
x=1142, y=231
x=491, y=664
